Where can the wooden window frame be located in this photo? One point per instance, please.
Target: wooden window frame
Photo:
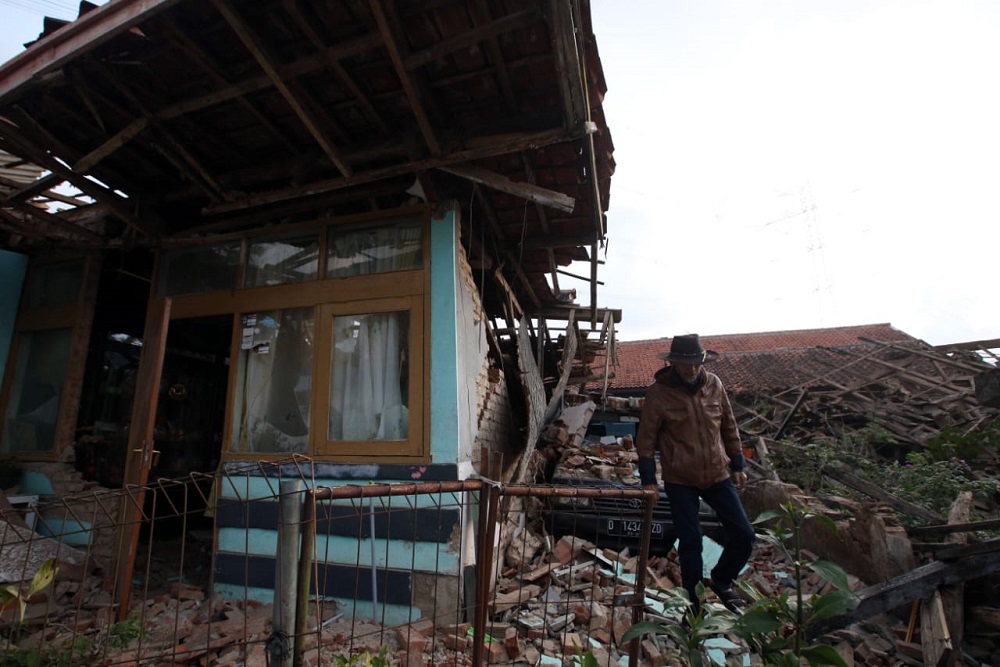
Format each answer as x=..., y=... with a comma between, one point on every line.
x=407, y=289
x=415, y=446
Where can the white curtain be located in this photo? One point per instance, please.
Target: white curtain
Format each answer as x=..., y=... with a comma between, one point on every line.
x=369, y=377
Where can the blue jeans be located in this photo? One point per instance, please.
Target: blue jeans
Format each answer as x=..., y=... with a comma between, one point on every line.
x=725, y=500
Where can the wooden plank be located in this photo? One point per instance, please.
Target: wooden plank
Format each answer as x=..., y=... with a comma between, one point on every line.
x=953, y=597
x=125, y=135
x=393, y=48
x=935, y=638
x=85, y=33
x=533, y=193
x=489, y=147
x=904, y=589
x=875, y=491
x=141, y=444
x=256, y=48
x=940, y=529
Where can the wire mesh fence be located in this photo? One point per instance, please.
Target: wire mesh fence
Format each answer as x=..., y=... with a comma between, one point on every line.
x=264, y=564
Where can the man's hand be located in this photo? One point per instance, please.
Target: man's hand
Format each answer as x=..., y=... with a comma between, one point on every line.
x=740, y=479
x=653, y=487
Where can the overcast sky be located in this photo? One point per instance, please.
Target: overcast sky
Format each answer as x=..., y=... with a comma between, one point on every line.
x=787, y=164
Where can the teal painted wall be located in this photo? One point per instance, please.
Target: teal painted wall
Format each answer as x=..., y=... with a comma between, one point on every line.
x=444, y=337
x=13, y=267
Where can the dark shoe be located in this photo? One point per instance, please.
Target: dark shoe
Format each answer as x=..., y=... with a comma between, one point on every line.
x=729, y=597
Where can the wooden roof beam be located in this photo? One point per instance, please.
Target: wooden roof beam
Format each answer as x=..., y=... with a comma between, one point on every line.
x=527, y=159
x=257, y=49
x=46, y=218
x=21, y=191
x=295, y=10
x=75, y=38
x=571, y=85
x=199, y=58
x=485, y=148
x=508, y=255
x=100, y=193
x=485, y=32
x=14, y=225
x=117, y=140
x=295, y=69
x=532, y=193
x=188, y=162
x=393, y=48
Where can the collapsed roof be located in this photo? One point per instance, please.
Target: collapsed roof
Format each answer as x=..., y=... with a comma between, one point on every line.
x=159, y=122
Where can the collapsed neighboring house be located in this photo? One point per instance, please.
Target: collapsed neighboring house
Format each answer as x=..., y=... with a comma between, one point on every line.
x=835, y=381
x=335, y=229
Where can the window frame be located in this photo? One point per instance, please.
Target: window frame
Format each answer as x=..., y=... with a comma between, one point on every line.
x=409, y=288
x=77, y=317
x=415, y=445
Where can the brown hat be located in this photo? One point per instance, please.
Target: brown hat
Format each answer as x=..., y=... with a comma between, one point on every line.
x=687, y=349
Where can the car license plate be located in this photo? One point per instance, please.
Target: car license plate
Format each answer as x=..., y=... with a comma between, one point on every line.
x=632, y=528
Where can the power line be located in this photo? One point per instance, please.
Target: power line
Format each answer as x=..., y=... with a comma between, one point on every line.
x=53, y=8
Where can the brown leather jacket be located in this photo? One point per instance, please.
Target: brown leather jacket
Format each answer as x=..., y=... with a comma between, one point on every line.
x=694, y=427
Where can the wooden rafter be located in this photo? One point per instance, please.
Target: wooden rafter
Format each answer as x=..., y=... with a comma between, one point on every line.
x=394, y=49
x=301, y=107
x=199, y=58
x=301, y=67
x=543, y=218
x=508, y=256
x=115, y=204
x=568, y=55
x=21, y=192
x=294, y=9
x=75, y=38
x=504, y=144
x=485, y=31
x=532, y=193
x=179, y=155
x=119, y=139
x=54, y=221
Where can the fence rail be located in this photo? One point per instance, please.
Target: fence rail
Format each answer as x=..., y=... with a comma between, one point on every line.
x=266, y=565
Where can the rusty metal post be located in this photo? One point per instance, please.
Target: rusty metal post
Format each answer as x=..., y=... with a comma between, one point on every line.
x=304, y=579
x=639, y=606
x=489, y=500
x=286, y=566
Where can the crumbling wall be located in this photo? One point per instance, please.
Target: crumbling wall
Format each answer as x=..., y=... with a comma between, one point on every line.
x=73, y=498
x=868, y=544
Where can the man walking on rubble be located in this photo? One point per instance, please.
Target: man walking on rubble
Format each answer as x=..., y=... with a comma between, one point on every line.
x=687, y=418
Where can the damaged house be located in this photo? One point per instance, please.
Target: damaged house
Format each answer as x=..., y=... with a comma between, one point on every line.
x=347, y=234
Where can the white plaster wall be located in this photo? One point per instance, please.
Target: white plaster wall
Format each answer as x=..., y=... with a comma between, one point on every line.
x=472, y=356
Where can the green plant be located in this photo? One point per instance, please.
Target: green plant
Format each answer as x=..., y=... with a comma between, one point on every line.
x=776, y=626
x=124, y=632
x=699, y=623
x=953, y=442
x=365, y=659
x=13, y=596
x=934, y=484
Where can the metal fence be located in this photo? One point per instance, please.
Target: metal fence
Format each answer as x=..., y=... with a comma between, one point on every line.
x=265, y=565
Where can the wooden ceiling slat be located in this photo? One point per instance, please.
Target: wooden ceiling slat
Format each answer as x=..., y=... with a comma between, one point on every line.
x=202, y=60
x=257, y=49
x=74, y=39
x=486, y=32
x=21, y=145
x=119, y=139
x=187, y=163
x=292, y=7
x=528, y=191
x=394, y=49
x=504, y=145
